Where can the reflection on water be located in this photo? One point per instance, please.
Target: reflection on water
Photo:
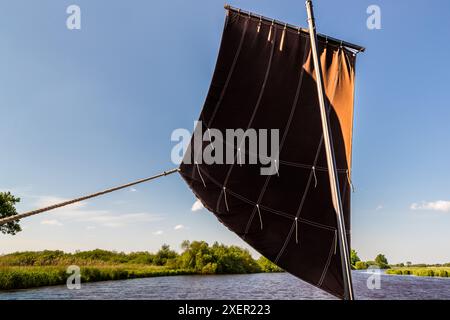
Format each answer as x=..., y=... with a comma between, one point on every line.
x=254, y=286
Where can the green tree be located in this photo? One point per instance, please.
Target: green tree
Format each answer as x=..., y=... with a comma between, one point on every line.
x=164, y=255
x=381, y=261
x=233, y=259
x=8, y=209
x=196, y=256
x=185, y=245
x=354, y=257
x=140, y=258
x=268, y=266
x=218, y=258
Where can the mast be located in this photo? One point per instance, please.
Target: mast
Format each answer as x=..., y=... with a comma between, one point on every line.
x=331, y=161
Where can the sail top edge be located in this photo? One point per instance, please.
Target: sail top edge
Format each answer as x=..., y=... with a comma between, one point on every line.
x=321, y=37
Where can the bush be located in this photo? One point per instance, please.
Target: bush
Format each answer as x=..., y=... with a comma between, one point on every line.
x=163, y=255
x=394, y=272
x=354, y=257
x=268, y=266
x=202, y=258
x=210, y=268
x=372, y=263
x=361, y=265
x=141, y=258
x=406, y=272
x=424, y=272
x=442, y=273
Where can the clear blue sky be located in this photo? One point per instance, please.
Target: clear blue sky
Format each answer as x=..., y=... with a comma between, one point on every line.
x=87, y=109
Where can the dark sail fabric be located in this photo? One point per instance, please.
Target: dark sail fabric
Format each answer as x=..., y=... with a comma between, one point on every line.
x=264, y=79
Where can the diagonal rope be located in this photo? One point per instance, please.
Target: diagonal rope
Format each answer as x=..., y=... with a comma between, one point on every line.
x=90, y=196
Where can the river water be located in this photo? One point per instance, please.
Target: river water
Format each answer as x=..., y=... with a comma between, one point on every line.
x=253, y=286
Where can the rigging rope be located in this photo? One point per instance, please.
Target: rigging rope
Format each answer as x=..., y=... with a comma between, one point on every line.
x=260, y=218
x=225, y=197
x=93, y=195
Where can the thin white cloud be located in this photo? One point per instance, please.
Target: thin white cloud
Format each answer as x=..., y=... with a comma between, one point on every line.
x=78, y=213
x=179, y=227
x=45, y=201
x=106, y=218
x=379, y=207
x=119, y=202
x=197, y=206
x=52, y=222
x=133, y=189
x=441, y=205
x=158, y=233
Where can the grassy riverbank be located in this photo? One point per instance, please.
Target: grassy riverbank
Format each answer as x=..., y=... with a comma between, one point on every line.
x=38, y=276
x=421, y=271
x=44, y=268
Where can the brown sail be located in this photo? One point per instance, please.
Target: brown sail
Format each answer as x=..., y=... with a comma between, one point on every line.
x=264, y=79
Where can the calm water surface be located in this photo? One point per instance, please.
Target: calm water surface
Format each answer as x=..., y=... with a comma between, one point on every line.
x=254, y=286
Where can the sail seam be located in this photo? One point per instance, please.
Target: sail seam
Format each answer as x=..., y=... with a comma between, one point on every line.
x=246, y=153
x=327, y=264
x=249, y=222
x=258, y=102
x=200, y=174
x=288, y=238
x=230, y=73
x=225, y=87
x=283, y=139
x=269, y=209
x=263, y=157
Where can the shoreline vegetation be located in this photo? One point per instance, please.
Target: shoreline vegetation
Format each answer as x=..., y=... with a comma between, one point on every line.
x=21, y=270
x=420, y=270
x=427, y=271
